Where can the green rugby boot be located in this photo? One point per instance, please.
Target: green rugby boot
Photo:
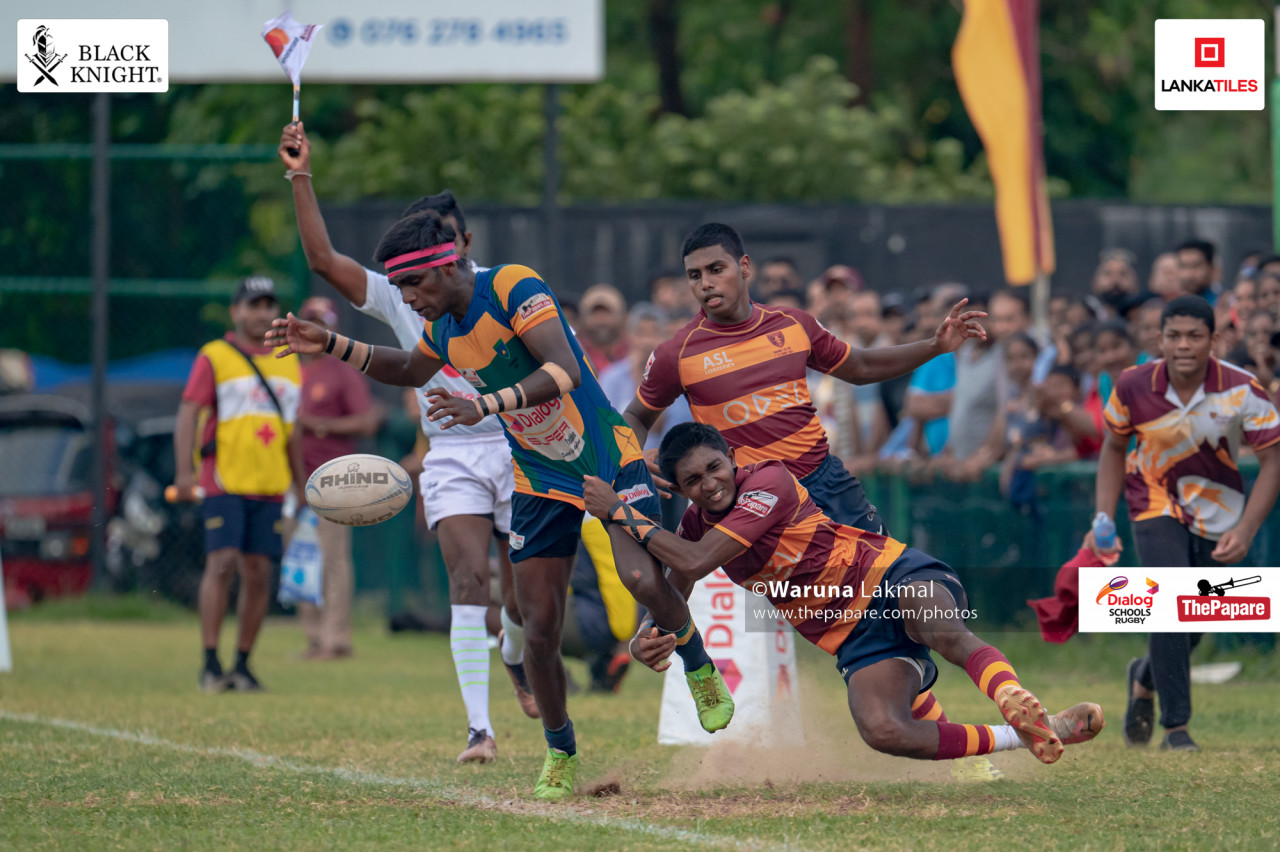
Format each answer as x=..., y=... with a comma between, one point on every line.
x=556, y=781
x=711, y=696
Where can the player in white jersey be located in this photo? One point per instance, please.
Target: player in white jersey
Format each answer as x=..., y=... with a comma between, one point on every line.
x=467, y=478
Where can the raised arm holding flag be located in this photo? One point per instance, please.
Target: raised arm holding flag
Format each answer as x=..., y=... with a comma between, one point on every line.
x=290, y=41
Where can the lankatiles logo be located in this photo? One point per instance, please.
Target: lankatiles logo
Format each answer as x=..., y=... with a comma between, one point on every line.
x=1210, y=64
x=1211, y=53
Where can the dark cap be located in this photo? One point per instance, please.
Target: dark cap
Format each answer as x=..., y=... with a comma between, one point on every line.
x=892, y=304
x=1132, y=302
x=254, y=287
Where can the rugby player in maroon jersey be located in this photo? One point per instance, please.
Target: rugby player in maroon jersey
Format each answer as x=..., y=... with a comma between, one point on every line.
x=877, y=605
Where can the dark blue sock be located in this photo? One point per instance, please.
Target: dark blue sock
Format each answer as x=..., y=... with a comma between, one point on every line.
x=562, y=738
x=692, y=651
x=242, y=661
x=211, y=661
x=518, y=670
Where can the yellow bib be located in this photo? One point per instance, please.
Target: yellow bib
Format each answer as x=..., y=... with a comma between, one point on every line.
x=252, y=437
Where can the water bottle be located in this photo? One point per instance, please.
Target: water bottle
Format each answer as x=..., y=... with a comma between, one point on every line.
x=1104, y=532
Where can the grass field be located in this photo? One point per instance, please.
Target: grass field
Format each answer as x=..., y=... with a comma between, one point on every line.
x=105, y=743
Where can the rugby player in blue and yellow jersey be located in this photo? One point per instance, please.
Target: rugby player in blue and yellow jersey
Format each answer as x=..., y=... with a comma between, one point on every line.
x=503, y=330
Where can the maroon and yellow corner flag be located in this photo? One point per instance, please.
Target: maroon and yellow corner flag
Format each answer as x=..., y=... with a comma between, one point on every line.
x=997, y=64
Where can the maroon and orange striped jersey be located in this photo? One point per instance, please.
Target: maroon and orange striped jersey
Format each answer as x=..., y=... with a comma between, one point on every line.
x=748, y=380
x=800, y=558
x=1184, y=464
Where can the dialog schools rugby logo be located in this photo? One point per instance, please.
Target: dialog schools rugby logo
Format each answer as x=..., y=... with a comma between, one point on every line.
x=1114, y=585
x=1132, y=608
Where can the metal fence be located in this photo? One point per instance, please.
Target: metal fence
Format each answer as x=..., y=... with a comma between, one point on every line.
x=895, y=248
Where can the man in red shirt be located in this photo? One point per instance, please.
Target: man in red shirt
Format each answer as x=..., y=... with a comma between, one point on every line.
x=875, y=604
x=742, y=367
x=336, y=409
x=249, y=457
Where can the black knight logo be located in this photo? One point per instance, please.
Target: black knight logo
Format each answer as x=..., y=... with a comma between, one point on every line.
x=46, y=58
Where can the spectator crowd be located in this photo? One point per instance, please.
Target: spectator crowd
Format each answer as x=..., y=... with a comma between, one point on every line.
x=1026, y=398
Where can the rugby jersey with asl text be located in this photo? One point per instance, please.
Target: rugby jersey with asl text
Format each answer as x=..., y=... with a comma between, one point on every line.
x=792, y=545
x=555, y=444
x=748, y=380
x=1184, y=464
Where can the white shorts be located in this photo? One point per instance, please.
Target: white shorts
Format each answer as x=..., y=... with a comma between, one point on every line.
x=468, y=476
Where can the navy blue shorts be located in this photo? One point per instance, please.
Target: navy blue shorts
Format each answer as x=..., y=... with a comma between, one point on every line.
x=248, y=525
x=839, y=494
x=541, y=526
x=876, y=639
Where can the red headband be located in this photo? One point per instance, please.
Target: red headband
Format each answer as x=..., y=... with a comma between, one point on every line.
x=406, y=262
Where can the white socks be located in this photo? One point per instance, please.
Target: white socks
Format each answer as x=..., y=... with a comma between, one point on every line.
x=1006, y=738
x=512, y=640
x=470, y=646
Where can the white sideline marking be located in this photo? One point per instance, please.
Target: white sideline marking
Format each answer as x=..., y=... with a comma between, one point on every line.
x=555, y=813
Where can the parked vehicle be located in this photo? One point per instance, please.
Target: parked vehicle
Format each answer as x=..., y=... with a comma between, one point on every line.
x=46, y=495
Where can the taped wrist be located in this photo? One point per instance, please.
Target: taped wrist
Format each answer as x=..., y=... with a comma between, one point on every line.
x=559, y=376
x=637, y=526
x=349, y=350
x=506, y=399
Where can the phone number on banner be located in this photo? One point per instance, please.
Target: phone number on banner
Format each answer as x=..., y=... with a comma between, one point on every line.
x=448, y=31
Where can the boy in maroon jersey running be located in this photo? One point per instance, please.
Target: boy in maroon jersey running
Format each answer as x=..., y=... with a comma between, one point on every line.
x=742, y=366
x=877, y=605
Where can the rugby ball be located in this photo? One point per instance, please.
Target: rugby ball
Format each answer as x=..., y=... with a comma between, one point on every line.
x=359, y=490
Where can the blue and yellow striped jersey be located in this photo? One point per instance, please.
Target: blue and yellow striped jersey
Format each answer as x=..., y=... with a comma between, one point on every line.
x=555, y=444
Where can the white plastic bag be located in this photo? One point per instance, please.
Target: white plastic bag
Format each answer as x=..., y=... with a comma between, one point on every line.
x=301, y=570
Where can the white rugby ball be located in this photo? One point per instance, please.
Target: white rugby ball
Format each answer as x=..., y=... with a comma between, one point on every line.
x=359, y=490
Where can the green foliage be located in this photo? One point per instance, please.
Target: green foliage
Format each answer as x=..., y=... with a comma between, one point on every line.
x=799, y=140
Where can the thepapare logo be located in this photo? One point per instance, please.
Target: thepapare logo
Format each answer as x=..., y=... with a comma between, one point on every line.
x=94, y=55
x=1209, y=65
x=1212, y=604
x=758, y=503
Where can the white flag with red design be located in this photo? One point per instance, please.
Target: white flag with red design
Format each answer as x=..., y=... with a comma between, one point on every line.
x=290, y=41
